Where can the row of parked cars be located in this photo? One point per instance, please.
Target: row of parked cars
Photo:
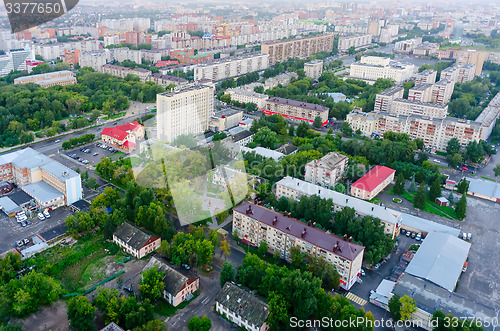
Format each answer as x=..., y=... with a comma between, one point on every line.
x=76, y=157
x=43, y=215
x=22, y=219
x=103, y=146
x=413, y=235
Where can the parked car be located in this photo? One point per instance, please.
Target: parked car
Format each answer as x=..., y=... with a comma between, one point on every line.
x=185, y=266
x=46, y=214
x=41, y=217
x=377, y=266
x=23, y=224
x=362, y=272
x=19, y=243
x=403, y=231
x=128, y=289
x=408, y=233
x=419, y=236
x=95, y=154
x=26, y=241
x=58, y=141
x=413, y=235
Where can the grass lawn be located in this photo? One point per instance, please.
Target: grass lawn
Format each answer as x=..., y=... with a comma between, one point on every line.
x=441, y=153
x=117, y=115
x=70, y=265
x=166, y=310
x=487, y=178
x=432, y=207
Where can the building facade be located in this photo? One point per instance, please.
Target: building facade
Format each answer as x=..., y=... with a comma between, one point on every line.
x=280, y=51
x=221, y=69
x=420, y=92
x=134, y=241
x=61, y=78
x=442, y=91
x=410, y=107
x=425, y=77
x=254, y=224
x=186, y=110
x=245, y=96
x=383, y=100
x=326, y=171
x=314, y=69
x=372, y=183
x=166, y=80
x=371, y=68
x=356, y=41
x=296, y=110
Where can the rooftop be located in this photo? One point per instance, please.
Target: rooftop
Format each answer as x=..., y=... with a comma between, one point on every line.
x=329, y=161
x=173, y=279
x=42, y=191
x=391, y=91
x=373, y=178
x=484, y=187
x=361, y=206
x=46, y=76
x=8, y=206
x=420, y=103
x=133, y=236
x=295, y=228
x=264, y=152
x=243, y=303
x=171, y=78
x=421, y=87
x=20, y=197
x=183, y=89
x=241, y=135
x=426, y=72
x=295, y=103
x=440, y=259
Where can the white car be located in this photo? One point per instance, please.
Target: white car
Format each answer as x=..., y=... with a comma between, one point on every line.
x=46, y=214
x=41, y=217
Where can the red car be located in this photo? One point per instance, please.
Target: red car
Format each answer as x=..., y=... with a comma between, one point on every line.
x=465, y=168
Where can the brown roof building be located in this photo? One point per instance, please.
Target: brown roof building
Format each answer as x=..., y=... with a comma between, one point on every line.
x=255, y=224
x=296, y=110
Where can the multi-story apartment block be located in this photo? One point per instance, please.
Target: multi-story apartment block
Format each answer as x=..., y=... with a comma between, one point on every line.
x=122, y=72
x=242, y=308
x=254, y=224
x=61, y=78
x=465, y=73
x=383, y=100
x=134, y=241
x=314, y=69
x=27, y=167
x=425, y=77
x=184, y=110
x=470, y=56
x=296, y=110
x=346, y=42
x=280, y=51
x=94, y=60
x=49, y=52
x=166, y=80
x=364, y=122
x=407, y=46
x=450, y=73
x=442, y=91
x=245, y=96
x=326, y=171
x=421, y=92
x=372, y=183
x=20, y=57
x=231, y=67
x=360, y=29
x=489, y=116
x=426, y=49
x=409, y=107
x=283, y=79
x=124, y=53
x=293, y=188
x=371, y=68
x=71, y=55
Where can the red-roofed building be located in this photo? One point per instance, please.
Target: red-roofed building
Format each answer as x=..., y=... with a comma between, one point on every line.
x=166, y=63
x=368, y=186
x=124, y=135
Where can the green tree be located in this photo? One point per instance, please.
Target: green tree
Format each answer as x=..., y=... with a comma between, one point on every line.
x=302, y=129
x=463, y=186
x=225, y=98
x=196, y=323
x=317, y=122
x=496, y=170
x=454, y=160
x=152, y=284
x=413, y=186
x=395, y=306
x=419, y=201
x=453, y=146
x=81, y=313
x=263, y=248
x=351, y=50
x=435, y=189
x=399, y=186
x=346, y=128
x=408, y=307
x=461, y=208
x=265, y=137
x=227, y=273
x=278, y=311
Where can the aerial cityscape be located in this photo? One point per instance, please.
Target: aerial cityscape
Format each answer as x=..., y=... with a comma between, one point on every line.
x=212, y=165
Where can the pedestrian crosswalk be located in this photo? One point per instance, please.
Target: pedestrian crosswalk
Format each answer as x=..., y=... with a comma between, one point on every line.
x=354, y=298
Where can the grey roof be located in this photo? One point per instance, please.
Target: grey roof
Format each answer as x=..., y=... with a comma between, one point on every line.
x=440, y=259
x=329, y=161
x=132, y=236
x=484, y=187
x=242, y=135
x=47, y=76
x=60, y=171
x=361, y=206
x=287, y=149
x=416, y=102
x=421, y=87
x=391, y=91
x=171, y=78
x=81, y=205
x=20, y=197
x=42, y=191
x=112, y=327
x=430, y=297
x=173, y=279
x=245, y=304
x=8, y=206
x=264, y=152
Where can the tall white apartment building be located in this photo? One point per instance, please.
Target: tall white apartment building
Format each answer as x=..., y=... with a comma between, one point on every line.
x=362, y=29
x=6, y=65
x=421, y=92
x=314, y=69
x=184, y=110
x=49, y=52
x=124, y=53
x=383, y=100
x=426, y=76
x=346, y=42
x=371, y=68
x=221, y=69
x=19, y=58
x=442, y=91
x=95, y=59
x=459, y=73
x=364, y=122
x=326, y=171
x=410, y=107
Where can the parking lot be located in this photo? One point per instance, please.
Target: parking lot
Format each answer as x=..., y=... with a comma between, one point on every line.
x=91, y=154
x=11, y=231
